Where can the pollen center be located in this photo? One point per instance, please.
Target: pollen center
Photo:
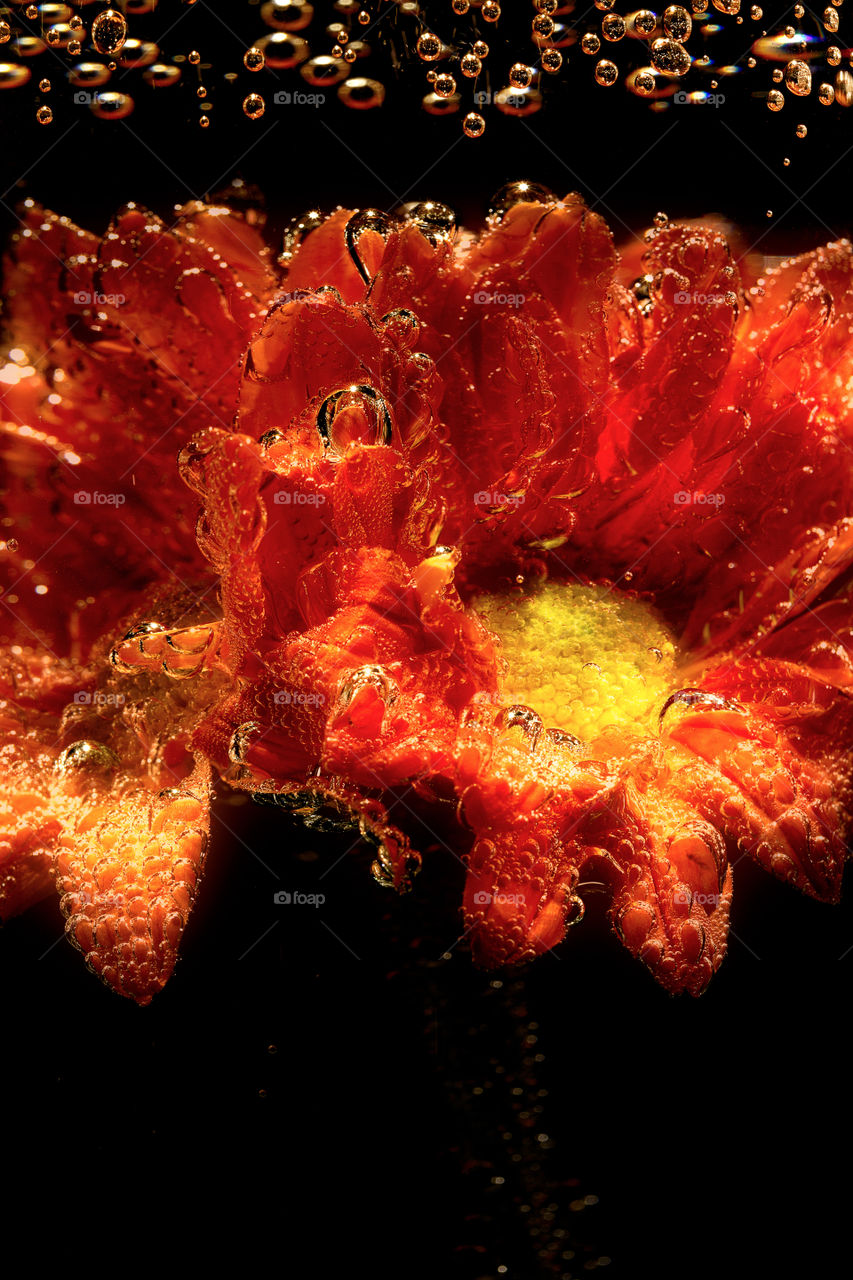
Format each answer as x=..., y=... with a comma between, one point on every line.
x=585, y=658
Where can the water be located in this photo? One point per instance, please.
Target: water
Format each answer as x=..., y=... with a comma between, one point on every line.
x=418, y=1057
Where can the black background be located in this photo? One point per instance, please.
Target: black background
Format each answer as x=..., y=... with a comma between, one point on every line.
x=713, y=1132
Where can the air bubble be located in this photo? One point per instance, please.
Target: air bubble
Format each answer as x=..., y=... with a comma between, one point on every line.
x=798, y=78
x=643, y=82
x=109, y=32
x=613, y=27
x=429, y=47
x=354, y=415
x=283, y=51
x=370, y=676
x=372, y=221
x=670, y=58
x=677, y=23
x=87, y=759
x=112, y=106
x=644, y=22
x=520, y=718
x=606, y=72
x=434, y=220
x=515, y=193
x=361, y=94
x=254, y=106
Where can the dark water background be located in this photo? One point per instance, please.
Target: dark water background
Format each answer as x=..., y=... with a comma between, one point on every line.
x=713, y=1132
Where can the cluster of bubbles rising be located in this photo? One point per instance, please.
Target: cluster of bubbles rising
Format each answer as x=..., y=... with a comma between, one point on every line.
x=469, y=56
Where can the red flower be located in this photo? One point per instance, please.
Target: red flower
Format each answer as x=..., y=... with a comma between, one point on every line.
x=492, y=526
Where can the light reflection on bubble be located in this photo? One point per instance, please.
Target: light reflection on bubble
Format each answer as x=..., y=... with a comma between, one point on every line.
x=684, y=42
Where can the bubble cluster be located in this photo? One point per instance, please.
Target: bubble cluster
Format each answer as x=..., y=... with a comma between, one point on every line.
x=666, y=55
x=614, y=662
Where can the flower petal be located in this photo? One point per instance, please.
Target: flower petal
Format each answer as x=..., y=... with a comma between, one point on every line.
x=779, y=768
x=128, y=882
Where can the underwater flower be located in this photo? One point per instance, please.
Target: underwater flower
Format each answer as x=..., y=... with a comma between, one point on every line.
x=487, y=527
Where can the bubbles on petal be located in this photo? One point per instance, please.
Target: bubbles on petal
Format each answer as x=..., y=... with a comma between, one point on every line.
x=515, y=193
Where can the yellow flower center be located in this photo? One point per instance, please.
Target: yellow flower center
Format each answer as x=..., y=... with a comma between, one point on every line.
x=585, y=658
